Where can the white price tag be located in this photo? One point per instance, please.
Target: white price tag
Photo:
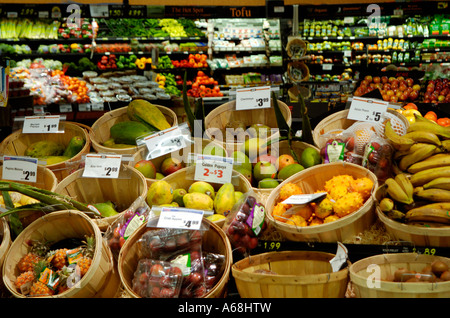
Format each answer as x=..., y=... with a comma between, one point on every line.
x=304, y=198
x=164, y=142
x=215, y=169
x=348, y=53
x=40, y=124
x=366, y=109
x=327, y=67
x=180, y=218
x=19, y=168
x=102, y=166
x=253, y=98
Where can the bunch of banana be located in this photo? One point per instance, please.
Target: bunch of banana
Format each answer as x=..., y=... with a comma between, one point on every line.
x=421, y=187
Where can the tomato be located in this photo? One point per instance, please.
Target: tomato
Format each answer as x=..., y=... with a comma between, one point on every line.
x=444, y=121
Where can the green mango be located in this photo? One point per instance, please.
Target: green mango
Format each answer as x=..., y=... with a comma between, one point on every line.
x=126, y=132
x=106, y=209
x=75, y=145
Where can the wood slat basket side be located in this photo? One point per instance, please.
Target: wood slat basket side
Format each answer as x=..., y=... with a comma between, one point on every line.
x=123, y=191
x=365, y=286
x=214, y=241
x=17, y=143
x=313, y=179
x=295, y=274
x=54, y=227
x=101, y=129
x=419, y=235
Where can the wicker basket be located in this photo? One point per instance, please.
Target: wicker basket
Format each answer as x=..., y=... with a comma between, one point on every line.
x=123, y=191
x=313, y=179
x=101, y=129
x=214, y=241
x=362, y=277
x=5, y=236
x=182, y=154
x=218, y=118
x=419, y=235
x=280, y=148
x=54, y=227
x=339, y=122
x=17, y=143
x=297, y=274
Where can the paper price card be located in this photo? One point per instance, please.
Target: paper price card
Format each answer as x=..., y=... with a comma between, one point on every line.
x=102, y=166
x=253, y=98
x=164, y=142
x=214, y=169
x=180, y=218
x=40, y=124
x=20, y=168
x=366, y=109
x=304, y=198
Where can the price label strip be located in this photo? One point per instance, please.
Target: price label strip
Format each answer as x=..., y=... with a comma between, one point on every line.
x=367, y=109
x=164, y=142
x=40, y=124
x=102, y=166
x=214, y=169
x=253, y=98
x=180, y=218
x=18, y=168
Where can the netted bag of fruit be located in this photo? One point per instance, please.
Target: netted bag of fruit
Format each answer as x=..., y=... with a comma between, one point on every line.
x=118, y=232
x=378, y=157
x=182, y=247
x=362, y=132
x=157, y=279
x=245, y=222
x=399, y=124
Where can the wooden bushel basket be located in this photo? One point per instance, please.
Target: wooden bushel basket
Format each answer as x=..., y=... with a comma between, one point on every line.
x=182, y=154
x=339, y=122
x=5, y=236
x=364, y=285
x=101, y=129
x=313, y=179
x=55, y=227
x=123, y=191
x=280, y=148
x=296, y=274
x=218, y=118
x=45, y=179
x=419, y=235
x=214, y=241
x=16, y=144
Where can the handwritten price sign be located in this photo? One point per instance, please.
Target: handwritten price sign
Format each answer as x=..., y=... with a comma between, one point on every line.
x=214, y=169
x=366, y=109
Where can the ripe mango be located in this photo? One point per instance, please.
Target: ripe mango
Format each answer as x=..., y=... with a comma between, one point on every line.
x=225, y=199
x=198, y=201
x=143, y=111
x=160, y=192
x=202, y=187
x=44, y=148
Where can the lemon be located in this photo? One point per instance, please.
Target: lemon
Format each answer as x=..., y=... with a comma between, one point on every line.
x=216, y=217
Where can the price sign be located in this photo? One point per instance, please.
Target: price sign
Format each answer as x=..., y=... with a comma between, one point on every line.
x=19, y=168
x=164, y=142
x=366, y=109
x=40, y=124
x=304, y=198
x=253, y=98
x=180, y=218
x=102, y=166
x=214, y=169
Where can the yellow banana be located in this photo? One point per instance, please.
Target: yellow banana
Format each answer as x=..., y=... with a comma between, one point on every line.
x=435, y=195
x=446, y=145
x=396, y=192
x=434, y=128
x=396, y=215
x=405, y=184
x=398, y=142
x=412, y=149
x=423, y=136
x=436, y=205
x=438, y=183
x=421, y=118
x=425, y=214
x=425, y=176
x=386, y=204
x=426, y=151
x=435, y=161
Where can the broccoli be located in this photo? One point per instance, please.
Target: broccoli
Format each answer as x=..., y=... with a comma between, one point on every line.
x=86, y=64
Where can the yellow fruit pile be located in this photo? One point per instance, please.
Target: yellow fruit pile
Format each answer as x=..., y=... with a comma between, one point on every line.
x=18, y=199
x=345, y=195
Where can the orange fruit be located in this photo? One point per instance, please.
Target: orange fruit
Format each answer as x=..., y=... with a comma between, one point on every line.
x=431, y=115
x=410, y=106
x=444, y=121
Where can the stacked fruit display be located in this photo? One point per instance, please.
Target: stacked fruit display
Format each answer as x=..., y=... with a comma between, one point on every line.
x=344, y=195
x=48, y=270
x=419, y=193
x=393, y=89
x=437, y=91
